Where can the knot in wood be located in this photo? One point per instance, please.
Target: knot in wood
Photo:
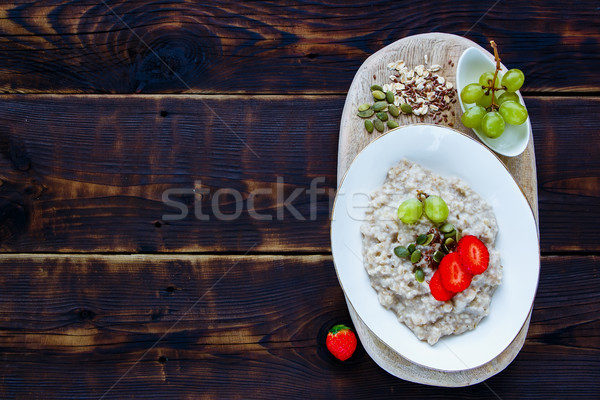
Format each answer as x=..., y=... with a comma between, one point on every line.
x=85, y=314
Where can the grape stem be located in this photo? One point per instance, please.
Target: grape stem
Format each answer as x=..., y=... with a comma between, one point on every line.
x=421, y=195
x=492, y=87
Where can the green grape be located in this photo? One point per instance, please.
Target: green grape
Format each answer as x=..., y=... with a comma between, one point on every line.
x=485, y=101
x=410, y=211
x=513, y=113
x=486, y=79
x=471, y=93
x=471, y=118
x=492, y=124
x=507, y=96
x=513, y=80
x=436, y=209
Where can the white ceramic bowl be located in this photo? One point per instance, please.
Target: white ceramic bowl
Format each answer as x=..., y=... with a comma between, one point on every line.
x=472, y=63
x=448, y=153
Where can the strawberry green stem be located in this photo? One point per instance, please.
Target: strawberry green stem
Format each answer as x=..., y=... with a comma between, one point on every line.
x=338, y=328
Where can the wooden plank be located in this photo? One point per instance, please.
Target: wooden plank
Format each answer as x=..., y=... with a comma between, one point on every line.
x=87, y=173
x=242, y=327
x=568, y=167
x=354, y=138
x=439, y=48
x=102, y=165
x=257, y=47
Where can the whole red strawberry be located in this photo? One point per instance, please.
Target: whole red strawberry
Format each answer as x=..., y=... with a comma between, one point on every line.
x=341, y=342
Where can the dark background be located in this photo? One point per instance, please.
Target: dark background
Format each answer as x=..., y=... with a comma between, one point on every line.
x=107, y=104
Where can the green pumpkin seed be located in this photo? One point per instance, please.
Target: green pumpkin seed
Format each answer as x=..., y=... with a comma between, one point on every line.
x=415, y=257
x=450, y=234
x=446, y=228
x=392, y=124
x=379, y=106
x=378, y=95
x=449, y=245
x=369, y=126
x=382, y=115
x=376, y=87
x=378, y=125
x=428, y=240
x=411, y=248
x=421, y=239
x=401, y=251
x=406, y=108
x=392, y=109
x=364, y=107
x=437, y=256
x=419, y=275
x=389, y=97
x=366, y=114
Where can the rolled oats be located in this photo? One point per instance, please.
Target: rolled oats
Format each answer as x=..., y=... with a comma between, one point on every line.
x=393, y=277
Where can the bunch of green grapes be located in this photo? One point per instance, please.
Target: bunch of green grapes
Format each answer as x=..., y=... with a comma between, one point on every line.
x=495, y=102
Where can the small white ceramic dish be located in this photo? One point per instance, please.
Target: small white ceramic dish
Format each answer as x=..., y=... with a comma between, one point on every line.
x=448, y=153
x=472, y=63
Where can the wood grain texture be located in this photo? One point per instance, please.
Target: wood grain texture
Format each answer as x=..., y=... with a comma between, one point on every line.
x=568, y=178
x=87, y=173
x=297, y=46
x=246, y=327
x=101, y=165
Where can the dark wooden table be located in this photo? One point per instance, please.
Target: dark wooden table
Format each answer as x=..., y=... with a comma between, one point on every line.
x=110, y=106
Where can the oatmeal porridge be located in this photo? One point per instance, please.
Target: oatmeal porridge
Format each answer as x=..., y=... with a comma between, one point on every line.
x=394, y=277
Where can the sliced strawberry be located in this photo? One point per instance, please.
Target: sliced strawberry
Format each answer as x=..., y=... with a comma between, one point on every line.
x=474, y=256
x=437, y=289
x=454, y=276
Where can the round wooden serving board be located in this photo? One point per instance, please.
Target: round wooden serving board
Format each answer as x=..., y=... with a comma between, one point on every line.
x=440, y=48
